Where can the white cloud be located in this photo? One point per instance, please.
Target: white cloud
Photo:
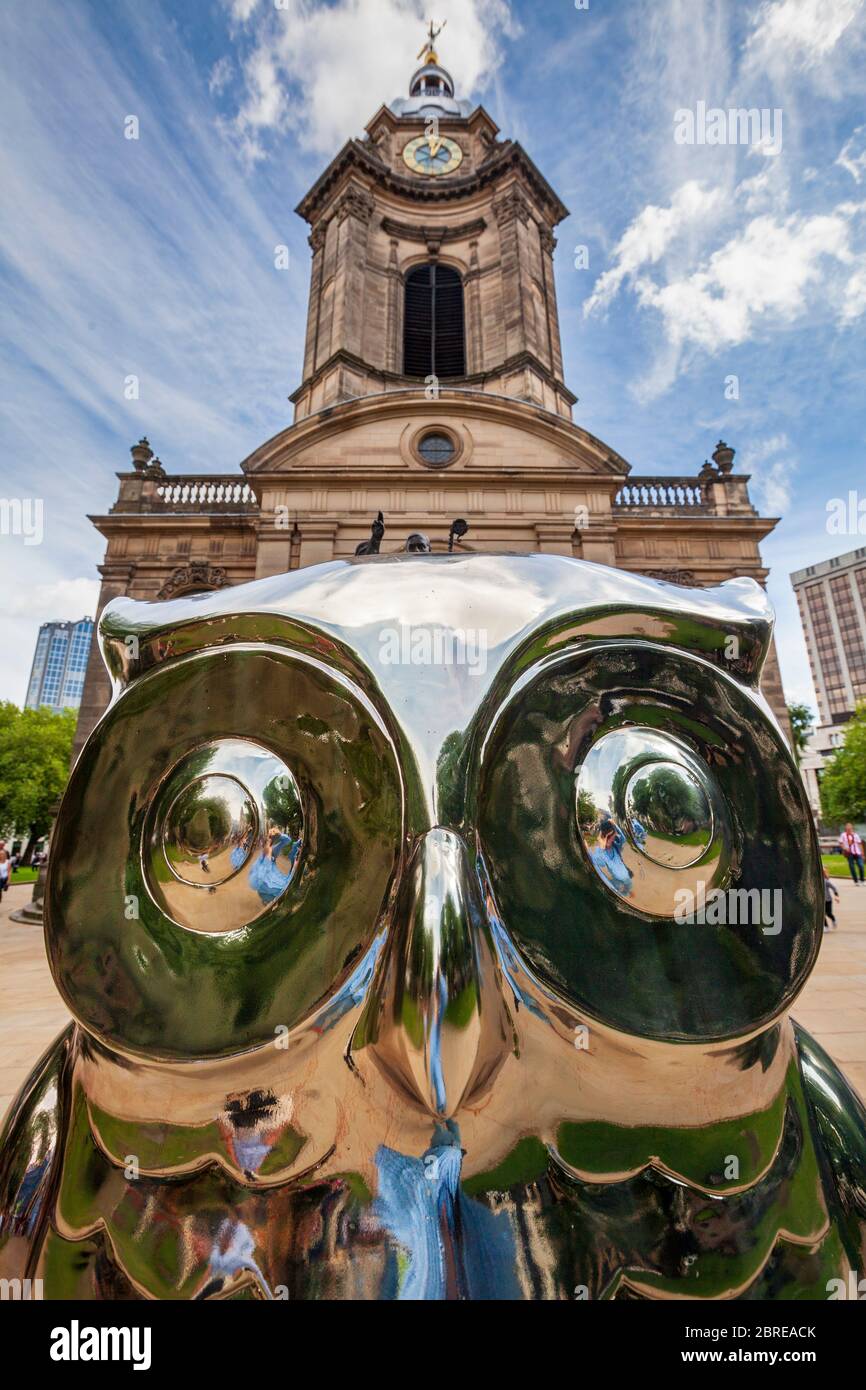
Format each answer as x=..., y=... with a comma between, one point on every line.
x=801, y=32
x=854, y=303
x=63, y=601
x=220, y=76
x=773, y=270
x=772, y=469
x=322, y=70
x=852, y=156
x=241, y=10
x=765, y=271
x=649, y=237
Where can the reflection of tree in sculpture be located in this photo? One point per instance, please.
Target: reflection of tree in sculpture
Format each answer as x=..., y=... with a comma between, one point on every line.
x=281, y=805
x=667, y=801
x=209, y=826
x=587, y=812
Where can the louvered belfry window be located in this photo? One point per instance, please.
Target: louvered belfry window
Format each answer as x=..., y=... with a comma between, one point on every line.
x=433, y=327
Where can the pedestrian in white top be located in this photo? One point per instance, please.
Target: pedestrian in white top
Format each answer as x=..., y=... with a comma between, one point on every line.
x=852, y=847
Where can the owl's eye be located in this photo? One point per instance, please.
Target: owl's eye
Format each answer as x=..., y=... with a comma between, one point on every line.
x=652, y=819
x=647, y=793
x=224, y=838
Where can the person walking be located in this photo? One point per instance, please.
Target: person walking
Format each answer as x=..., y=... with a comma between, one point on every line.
x=852, y=847
x=5, y=869
x=830, y=890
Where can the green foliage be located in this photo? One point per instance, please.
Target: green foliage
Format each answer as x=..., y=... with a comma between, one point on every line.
x=588, y=813
x=836, y=865
x=802, y=721
x=35, y=752
x=843, y=784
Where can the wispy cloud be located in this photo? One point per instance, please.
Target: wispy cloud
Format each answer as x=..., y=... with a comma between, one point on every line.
x=852, y=155
x=804, y=33
x=772, y=467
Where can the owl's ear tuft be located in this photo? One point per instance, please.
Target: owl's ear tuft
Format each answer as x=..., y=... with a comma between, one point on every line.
x=124, y=632
x=743, y=628
x=135, y=636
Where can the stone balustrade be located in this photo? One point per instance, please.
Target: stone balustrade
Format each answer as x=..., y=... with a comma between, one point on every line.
x=203, y=493
x=680, y=495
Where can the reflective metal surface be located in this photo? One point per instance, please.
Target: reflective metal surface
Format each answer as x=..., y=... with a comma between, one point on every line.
x=367, y=899
x=227, y=820
x=653, y=819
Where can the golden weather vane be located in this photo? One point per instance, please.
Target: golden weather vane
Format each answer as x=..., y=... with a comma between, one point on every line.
x=432, y=35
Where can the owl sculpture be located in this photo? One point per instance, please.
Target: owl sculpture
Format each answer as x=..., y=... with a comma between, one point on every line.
x=430, y=926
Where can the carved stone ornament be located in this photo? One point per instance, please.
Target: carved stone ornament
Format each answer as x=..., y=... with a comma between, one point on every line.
x=198, y=574
x=357, y=203
x=510, y=206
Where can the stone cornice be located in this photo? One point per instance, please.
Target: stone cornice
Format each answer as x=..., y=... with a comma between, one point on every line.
x=511, y=364
x=505, y=157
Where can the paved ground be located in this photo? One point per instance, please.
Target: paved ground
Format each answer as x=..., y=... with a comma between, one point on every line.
x=833, y=1004
x=832, y=1007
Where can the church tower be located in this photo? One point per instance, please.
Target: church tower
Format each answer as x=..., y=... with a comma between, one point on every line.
x=431, y=389
x=433, y=378
x=432, y=259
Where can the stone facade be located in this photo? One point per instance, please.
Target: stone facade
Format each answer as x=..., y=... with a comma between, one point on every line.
x=522, y=474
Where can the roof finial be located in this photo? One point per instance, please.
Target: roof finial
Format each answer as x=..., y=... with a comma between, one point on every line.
x=427, y=51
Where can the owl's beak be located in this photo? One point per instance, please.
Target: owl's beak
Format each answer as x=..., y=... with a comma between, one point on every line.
x=437, y=1022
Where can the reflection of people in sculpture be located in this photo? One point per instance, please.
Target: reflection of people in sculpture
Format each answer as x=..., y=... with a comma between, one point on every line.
x=240, y=853
x=638, y=831
x=266, y=877
x=607, y=857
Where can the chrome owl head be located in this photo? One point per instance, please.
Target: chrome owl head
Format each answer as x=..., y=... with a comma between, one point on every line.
x=383, y=782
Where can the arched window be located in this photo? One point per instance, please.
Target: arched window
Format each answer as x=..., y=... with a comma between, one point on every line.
x=433, y=323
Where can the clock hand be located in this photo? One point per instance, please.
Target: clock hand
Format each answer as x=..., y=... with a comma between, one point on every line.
x=435, y=143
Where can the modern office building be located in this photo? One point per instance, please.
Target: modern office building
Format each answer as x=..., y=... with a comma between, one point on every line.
x=59, y=665
x=832, y=600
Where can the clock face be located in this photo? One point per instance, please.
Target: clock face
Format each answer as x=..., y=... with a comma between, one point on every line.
x=432, y=154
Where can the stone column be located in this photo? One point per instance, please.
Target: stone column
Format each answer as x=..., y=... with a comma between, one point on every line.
x=548, y=246
x=474, y=323
x=317, y=239
x=555, y=537
x=317, y=542
x=352, y=217
x=511, y=210
x=393, y=317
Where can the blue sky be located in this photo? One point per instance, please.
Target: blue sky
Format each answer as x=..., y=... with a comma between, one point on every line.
x=155, y=257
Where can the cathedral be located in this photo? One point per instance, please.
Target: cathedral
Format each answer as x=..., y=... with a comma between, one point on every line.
x=432, y=393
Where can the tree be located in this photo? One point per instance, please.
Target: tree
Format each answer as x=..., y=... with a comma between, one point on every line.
x=35, y=752
x=843, y=782
x=802, y=722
